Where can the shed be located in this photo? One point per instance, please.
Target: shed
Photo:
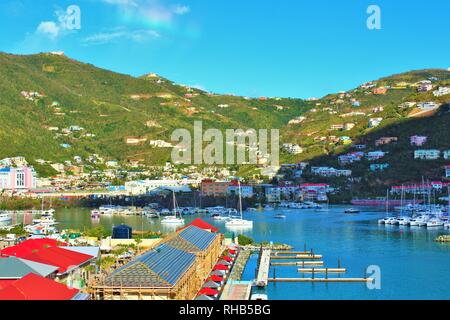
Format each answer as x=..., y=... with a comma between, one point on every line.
x=122, y=232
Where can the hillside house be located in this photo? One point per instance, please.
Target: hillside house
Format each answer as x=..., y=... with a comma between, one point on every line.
x=379, y=167
x=380, y=91
x=425, y=87
x=447, y=171
x=349, y=126
x=407, y=105
x=447, y=154
x=385, y=140
x=375, y=122
x=428, y=105
x=337, y=127
x=345, y=140
x=292, y=148
x=160, y=144
x=297, y=120
x=418, y=140
x=378, y=109
x=330, y=172
x=375, y=155
x=350, y=158
x=359, y=146
x=431, y=154
x=442, y=91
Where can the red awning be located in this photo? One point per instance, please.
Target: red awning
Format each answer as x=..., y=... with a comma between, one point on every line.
x=199, y=223
x=221, y=267
x=227, y=258
x=232, y=251
x=208, y=292
x=216, y=278
x=34, y=287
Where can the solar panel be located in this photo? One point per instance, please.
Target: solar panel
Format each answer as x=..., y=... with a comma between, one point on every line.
x=198, y=237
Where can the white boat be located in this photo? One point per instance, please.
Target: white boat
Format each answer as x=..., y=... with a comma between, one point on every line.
x=404, y=221
x=239, y=222
x=420, y=221
x=352, y=211
x=268, y=207
x=4, y=217
x=261, y=297
x=392, y=221
x=434, y=223
x=174, y=220
x=296, y=205
x=280, y=216
x=447, y=225
x=95, y=214
x=383, y=221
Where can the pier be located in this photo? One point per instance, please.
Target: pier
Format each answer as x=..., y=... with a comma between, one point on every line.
x=298, y=257
x=298, y=264
x=322, y=270
x=264, y=266
x=361, y=280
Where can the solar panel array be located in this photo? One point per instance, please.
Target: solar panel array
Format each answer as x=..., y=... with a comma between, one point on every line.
x=198, y=237
x=162, y=267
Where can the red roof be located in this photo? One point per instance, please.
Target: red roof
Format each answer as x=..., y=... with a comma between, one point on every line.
x=199, y=223
x=59, y=257
x=34, y=287
x=5, y=283
x=227, y=258
x=220, y=267
x=208, y=292
x=314, y=185
x=30, y=246
x=216, y=278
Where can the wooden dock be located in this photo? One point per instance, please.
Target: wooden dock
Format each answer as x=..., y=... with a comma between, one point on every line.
x=322, y=270
x=348, y=280
x=298, y=264
x=263, y=270
x=298, y=257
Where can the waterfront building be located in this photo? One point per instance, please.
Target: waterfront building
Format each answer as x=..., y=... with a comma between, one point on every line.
x=140, y=187
x=431, y=154
x=273, y=194
x=246, y=190
x=174, y=270
x=17, y=178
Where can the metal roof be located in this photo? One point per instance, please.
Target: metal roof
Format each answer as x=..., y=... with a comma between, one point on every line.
x=15, y=268
x=161, y=267
x=198, y=237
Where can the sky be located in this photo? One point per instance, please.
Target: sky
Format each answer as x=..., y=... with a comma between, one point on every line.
x=281, y=48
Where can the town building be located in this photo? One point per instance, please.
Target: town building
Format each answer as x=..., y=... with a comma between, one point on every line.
x=447, y=154
x=442, y=91
x=375, y=155
x=380, y=91
x=292, y=148
x=246, y=190
x=214, y=188
x=431, y=154
x=379, y=167
x=330, y=172
x=142, y=187
x=375, y=122
x=273, y=194
x=447, y=171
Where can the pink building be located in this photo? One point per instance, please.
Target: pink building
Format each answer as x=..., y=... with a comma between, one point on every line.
x=22, y=178
x=418, y=140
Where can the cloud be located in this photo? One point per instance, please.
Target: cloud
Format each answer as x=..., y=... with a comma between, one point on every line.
x=49, y=29
x=180, y=10
x=121, y=34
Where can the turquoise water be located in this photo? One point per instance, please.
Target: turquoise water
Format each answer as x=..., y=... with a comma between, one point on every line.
x=412, y=265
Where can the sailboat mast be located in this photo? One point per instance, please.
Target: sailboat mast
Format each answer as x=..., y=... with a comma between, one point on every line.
x=240, y=198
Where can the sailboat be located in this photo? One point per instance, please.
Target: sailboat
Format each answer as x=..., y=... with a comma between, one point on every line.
x=239, y=222
x=174, y=220
x=324, y=208
x=385, y=220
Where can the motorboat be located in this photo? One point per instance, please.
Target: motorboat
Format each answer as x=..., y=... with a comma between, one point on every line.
x=352, y=211
x=434, y=223
x=280, y=216
x=383, y=221
x=260, y=297
x=268, y=207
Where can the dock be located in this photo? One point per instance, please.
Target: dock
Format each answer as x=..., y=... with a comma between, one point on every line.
x=361, y=280
x=298, y=257
x=264, y=266
x=322, y=270
x=298, y=264
x=237, y=291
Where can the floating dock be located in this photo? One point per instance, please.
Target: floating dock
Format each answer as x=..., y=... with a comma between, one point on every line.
x=322, y=270
x=298, y=264
x=298, y=257
x=362, y=280
x=263, y=270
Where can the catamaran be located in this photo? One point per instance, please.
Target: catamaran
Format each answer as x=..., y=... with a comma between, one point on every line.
x=174, y=220
x=239, y=222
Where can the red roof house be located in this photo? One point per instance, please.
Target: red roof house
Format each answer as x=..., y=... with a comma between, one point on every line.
x=34, y=287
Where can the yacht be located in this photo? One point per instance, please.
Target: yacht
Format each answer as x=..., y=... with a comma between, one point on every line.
x=236, y=222
x=404, y=221
x=435, y=222
x=383, y=221
x=392, y=221
x=4, y=217
x=420, y=221
x=174, y=220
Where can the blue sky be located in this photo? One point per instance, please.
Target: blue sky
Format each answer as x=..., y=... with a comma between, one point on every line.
x=283, y=48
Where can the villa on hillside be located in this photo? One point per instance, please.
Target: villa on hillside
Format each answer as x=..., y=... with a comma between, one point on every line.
x=379, y=167
x=418, y=140
x=375, y=155
x=425, y=87
x=432, y=154
x=330, y=172
x=442, y=91
x=447, y=171
x=380, y=91
x=375, y=122
x=385, y=140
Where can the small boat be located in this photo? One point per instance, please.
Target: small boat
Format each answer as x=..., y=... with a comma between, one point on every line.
x=404, y=221
x=392, y=221
x=280, y=216
x=352, y=211
x=383, y=221
x=260, y=297
x=268, y=207
x=4, y=217
x=95, y=214
x=420, y=221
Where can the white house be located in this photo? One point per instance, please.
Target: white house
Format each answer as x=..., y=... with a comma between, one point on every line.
x=375, y=122
x=431, y=154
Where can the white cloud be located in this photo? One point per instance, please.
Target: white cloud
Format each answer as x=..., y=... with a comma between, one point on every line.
x=121, y=34
x=180, y=10
x=49, y=29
